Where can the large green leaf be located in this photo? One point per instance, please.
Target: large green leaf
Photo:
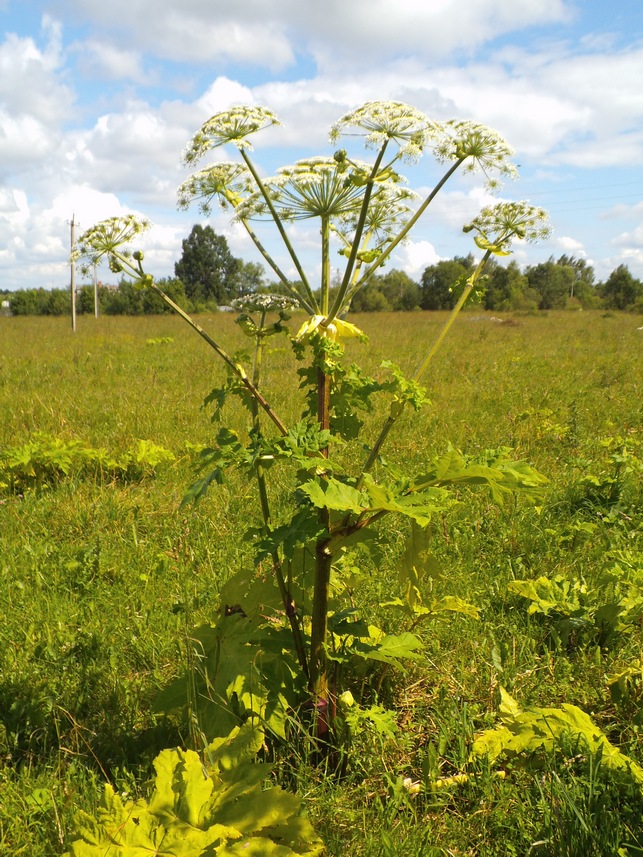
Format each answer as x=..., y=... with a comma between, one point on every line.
x=244, y=670
x=335, y=495
x=525, y=731
x=493, y=468
x=392, y=649
x=201, y=811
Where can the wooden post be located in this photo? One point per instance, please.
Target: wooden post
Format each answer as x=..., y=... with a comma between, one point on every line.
x=73, y=279
x=95, y=294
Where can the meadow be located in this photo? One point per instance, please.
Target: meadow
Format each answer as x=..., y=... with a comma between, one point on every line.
x=104, y=575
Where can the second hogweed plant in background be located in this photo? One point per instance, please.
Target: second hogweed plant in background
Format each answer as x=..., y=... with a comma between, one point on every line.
x=284, y=639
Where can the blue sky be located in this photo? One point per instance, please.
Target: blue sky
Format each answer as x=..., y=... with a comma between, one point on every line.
x=98, y=99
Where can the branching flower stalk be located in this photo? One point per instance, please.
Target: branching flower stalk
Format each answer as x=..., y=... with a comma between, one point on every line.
x=109, y=239
x=282, y=231
x=260, y=332
x=357, y=239
x=367, y=207
x=496, y=229
x=399, y=238
x=228, y=182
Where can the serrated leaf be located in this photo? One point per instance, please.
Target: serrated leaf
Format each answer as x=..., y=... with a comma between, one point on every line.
x=194, y=812
x=531, y=729
x=389, y=648
x=420, y=506
x=332, y=494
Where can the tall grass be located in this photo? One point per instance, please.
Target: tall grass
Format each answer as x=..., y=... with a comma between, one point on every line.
x=102, y=581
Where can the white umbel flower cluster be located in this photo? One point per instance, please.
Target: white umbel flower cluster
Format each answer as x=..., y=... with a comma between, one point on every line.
x=385, y=121
x=230, y=126
x=108, y=239
x=228, y=182
x=478, y=147
x=497, y=226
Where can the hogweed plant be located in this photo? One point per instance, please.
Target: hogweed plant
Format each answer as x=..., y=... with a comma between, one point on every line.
x=284, y=637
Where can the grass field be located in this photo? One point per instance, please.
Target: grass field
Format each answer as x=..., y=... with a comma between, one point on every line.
x=103, y=578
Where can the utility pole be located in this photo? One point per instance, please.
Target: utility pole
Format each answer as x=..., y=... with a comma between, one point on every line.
x=73, y=278
x=95, y=293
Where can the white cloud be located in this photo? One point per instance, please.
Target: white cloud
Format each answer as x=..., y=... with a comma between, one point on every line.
x=69, y=144
x=222, y=94
x=29, y=81
x=101, y=59
x=24, y=142
x=355, y=33
x=630, y=240
x=415, y=256
x=570, y=246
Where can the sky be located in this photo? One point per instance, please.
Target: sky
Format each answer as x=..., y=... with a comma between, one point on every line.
x=99, y=99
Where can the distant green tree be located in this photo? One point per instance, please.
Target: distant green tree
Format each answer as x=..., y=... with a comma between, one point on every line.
x=553, y=283
x=506, y=288
x=250, y=278
x=58, y=302
x=621, y=290
x=393, y=291
x=582, y=287
x=85, y=300
x=370, y=299
x=400, y=290
x=438, y=281
x=207, y=268
x=153, y=304
x=29, y=302
x=126, y=300
x=584, y=273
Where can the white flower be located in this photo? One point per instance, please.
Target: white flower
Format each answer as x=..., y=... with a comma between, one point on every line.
x=314, y=187
x=388, y=120
x=109, y=239
x=497, y=226
x=479, y=146
x=387, y=212
x=230, y=126
x=263, y=303
x=230, y=182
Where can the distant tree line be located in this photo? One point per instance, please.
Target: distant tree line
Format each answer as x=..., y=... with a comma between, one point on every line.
x=555, y=284
x=208, y=275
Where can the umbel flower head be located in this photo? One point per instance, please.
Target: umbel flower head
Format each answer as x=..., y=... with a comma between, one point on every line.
x=497, y=226
x=480, y=147
x=388, y=210
x=108, y=239
x=229, y=182
x=388, y=120
x=264, y=303
x=231, y=126
x=314, y=187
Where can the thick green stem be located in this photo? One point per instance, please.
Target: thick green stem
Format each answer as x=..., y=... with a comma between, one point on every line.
x=323, y=562
x=286, y=597
x=325, y=265
x=318, y=680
